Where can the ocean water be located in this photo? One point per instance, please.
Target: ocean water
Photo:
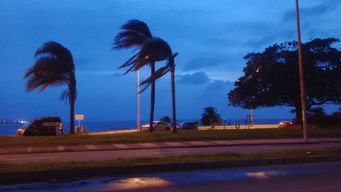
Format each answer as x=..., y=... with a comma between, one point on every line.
x=11, y=128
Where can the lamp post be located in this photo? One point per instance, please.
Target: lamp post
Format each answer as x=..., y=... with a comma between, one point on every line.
x=138, y=102
x=301, y=78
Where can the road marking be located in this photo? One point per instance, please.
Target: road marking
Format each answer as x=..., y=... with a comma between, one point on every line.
x=222, y=142
x=148, y=144
x=121, y=146
x=198, y=143
x=60, y=148
x=29, y=149
x=173, y=144
x=91, y=147
x=25, y=159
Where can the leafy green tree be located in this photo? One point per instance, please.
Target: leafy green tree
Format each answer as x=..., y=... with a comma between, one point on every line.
x=165, y=119
x=271, y=77
x=54, y=67
x=210, y=116
x=151, y=49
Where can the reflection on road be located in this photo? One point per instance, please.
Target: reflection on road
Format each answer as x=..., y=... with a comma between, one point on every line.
x=265, y=174
x=136, y=183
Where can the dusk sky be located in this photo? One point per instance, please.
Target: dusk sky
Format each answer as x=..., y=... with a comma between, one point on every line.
x=211, y=37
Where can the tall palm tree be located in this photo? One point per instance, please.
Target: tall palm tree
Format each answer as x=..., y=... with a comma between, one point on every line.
x=136, y=33
x=54, y=67
x=170, y=67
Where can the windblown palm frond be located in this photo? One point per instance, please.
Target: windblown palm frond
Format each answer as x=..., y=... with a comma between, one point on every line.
x=53, y=67
x=159, y=73
x=57, y=51
x=134, y=33
x=152, y=51
x=152, y=78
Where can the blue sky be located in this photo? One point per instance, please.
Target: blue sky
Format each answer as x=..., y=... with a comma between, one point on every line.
x=211, y=37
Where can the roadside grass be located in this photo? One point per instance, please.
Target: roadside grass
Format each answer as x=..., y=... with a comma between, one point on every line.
x=161, y=136
x=55, y=171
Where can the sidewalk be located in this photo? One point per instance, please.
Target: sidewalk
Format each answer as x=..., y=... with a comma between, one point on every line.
x=183, y=144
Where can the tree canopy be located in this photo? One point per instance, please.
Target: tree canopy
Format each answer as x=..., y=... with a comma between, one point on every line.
x=210, y=116
x=271, y=77
x=165, y=119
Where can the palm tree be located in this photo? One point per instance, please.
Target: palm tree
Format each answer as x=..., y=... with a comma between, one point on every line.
x=136, y=33
x=163, y=52
x=54, y=67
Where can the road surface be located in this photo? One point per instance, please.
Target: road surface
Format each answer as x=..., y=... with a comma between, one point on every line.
x=324, y=177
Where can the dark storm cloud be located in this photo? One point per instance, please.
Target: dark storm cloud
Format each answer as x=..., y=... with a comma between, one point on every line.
x=310, y=12
x=197, y=78
x=271, y=38
x=204, y=61
x=211, y=37
x=219, y=84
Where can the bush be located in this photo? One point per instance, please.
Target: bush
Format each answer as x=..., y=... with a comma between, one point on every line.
x=318, y=117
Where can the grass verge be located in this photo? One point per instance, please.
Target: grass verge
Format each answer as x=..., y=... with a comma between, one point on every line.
x=60, y=171
x=160, y=136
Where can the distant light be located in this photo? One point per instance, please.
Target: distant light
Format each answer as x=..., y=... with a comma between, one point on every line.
x=146, y=57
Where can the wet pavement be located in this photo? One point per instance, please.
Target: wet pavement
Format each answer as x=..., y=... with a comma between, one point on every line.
x=308, y=177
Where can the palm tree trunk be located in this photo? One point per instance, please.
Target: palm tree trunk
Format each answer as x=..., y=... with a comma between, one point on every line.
x=72, y=114
x=173, y=100
x=72, y=98
x=138, y=102
x=152, y=98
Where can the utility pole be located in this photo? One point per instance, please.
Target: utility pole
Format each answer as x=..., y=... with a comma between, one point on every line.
x=138, y=102
x=301, y=78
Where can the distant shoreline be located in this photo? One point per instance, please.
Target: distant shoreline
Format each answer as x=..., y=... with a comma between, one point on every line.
x=107, y=126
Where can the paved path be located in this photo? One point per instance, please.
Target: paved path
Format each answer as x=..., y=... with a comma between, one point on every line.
x=164, y=149
x=161, y=145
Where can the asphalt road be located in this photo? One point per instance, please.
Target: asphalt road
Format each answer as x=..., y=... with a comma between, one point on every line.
x=323, y=177
x=156, y=152
x=312, y=183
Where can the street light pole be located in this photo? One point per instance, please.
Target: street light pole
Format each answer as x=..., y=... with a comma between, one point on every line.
x=301, y=78
x=138, y=102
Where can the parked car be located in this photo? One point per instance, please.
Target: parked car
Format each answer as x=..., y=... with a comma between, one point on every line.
x=188, y=125
x=46, y=126
x=157, y=125
x=285, y=124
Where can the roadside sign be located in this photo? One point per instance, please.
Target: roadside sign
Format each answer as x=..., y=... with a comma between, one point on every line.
x=79, y=117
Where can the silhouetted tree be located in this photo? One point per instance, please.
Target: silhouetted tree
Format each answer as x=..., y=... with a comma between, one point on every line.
x=210, y=116
x=165, y=119
x=151, y=49
x=271, y=77
x=54, y=67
